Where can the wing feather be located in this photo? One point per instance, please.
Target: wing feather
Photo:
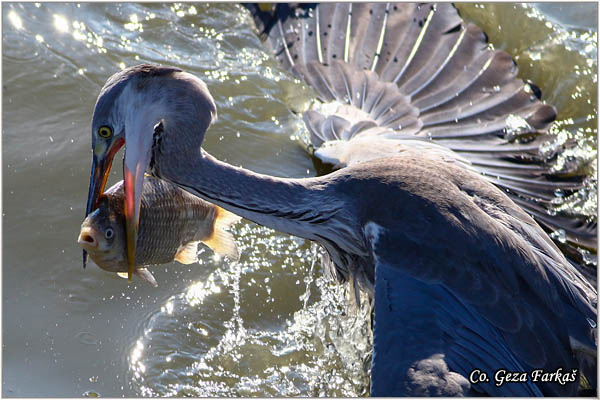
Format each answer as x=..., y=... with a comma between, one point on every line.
x=418, y=69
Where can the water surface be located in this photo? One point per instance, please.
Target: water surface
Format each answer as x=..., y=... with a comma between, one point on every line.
x=270, y=325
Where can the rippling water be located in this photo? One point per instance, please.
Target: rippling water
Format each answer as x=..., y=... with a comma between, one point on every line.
x=268, y=325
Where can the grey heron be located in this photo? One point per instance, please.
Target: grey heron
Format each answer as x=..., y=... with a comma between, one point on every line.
x=462, y=277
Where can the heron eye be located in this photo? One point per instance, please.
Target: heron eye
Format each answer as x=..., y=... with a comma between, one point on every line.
x=108, y=233
x=105, y=132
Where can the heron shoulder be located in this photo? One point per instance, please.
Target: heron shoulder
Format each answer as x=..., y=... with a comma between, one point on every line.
x=432, y=217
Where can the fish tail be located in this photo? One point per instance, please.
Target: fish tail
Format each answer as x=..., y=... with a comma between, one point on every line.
x=221, y=241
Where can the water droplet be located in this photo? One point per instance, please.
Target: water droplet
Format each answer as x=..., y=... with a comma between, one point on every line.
x=588, y=257
x=548, y=149
x=515, y=127
x=559, y=235
x=87, y=338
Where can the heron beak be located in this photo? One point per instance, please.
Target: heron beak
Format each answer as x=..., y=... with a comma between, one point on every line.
x=101, y=162
x=137, y=158
x=132, y=216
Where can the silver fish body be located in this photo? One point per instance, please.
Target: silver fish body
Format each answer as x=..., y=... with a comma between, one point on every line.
x=172, y=223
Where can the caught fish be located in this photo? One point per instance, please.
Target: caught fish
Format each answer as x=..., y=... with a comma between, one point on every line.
x=172, y=223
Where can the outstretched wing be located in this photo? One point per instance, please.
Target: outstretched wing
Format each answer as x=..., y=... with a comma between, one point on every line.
x=417, y=72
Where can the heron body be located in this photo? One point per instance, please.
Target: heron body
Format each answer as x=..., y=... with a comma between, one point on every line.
x=462, y=277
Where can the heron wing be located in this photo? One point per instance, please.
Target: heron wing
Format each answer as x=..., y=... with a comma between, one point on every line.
x=417, y=71
x=474, y=319
x=462, y=233
x=427, y=342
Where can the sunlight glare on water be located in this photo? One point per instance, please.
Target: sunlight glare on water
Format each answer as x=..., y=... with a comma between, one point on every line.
x=15, y=20
x=61, y=24
x=225, y=358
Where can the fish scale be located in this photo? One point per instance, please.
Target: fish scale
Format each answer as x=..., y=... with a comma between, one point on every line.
x=172, y=223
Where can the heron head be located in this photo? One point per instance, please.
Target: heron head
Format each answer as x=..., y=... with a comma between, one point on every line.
x=130, y=107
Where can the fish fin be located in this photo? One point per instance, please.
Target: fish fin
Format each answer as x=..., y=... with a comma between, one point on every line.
x=187, y=254
x=146, y=275
x=225, y=219
x=221, y=241
x=142, y=273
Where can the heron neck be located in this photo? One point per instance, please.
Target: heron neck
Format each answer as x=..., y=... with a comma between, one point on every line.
x=286, y=205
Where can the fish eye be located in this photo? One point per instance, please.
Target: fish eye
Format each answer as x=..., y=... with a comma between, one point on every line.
x=109, y=233
x=105, y=132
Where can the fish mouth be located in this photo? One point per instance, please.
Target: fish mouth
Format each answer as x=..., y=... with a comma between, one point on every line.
x=87, y=239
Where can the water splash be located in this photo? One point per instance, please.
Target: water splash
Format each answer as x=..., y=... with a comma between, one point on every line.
x=321, y=348
x=515, y=127
x=559, y=235
x=587, y=257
